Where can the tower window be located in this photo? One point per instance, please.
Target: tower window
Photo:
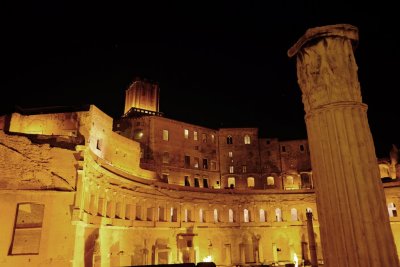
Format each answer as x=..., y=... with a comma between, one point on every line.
x=247, y=139
x=195, y=137
x=301, y=147
x=229, y=140
x=186, y=133
x=165, y=135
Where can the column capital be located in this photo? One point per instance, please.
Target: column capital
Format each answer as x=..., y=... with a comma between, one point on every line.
x=338, y=30
x=326, y=67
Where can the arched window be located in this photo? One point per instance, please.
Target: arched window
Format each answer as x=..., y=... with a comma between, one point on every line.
x=289, y=180
x=246, y=216
x=392, y=210
x=278, y=214
x=215, y=215
x=293, y=213
x=231, y=182
x=247, y=139
x=201, y=217
x=262, y=215
x=229, y=140
x=250, y=182
x=270, y=180
x=231, y=217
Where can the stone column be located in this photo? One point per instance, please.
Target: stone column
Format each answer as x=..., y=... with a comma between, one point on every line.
x=354, y=223
x=311, y=240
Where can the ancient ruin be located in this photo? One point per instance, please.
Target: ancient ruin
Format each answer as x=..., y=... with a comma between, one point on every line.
x=79, y=188
x=355, y=229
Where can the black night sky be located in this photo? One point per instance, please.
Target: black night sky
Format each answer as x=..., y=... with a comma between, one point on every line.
x=219, y=64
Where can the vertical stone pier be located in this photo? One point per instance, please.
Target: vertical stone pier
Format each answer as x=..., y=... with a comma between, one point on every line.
x=354, y=222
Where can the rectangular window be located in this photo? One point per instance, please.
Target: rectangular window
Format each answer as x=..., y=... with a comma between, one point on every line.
x=161, y=214
x=99, y=144
x=301, y=148
x=205, y=182
x=173, y=214
x=230, y=154
x=187, y=161
x=128, y=210
x=196, y=182
x=205, y=164
x=230, y=169
x=165, y=135
x=195, y=136
x=165, y=158
x=186, y=133
x=165, y=177
x=149, y=214
x=283, y=148
x=27, y=229
x=244, y=168
x=187, y=182
x=138, y=216
x=204, y=138
x=196, y=162
x=213, y=166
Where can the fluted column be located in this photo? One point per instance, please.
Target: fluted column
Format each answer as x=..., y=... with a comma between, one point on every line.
x=354, y=223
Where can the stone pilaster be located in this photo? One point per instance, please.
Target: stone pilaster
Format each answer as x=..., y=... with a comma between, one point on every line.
x=354, y=223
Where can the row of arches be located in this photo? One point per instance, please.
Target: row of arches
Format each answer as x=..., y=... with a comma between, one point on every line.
x=247, y=216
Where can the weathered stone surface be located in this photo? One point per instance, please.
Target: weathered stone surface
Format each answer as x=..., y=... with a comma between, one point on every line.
x=24, y=165
x=355, y=229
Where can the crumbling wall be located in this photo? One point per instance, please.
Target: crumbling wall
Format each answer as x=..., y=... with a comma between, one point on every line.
x=24, y=165
x=47, y=124
x=117, y=150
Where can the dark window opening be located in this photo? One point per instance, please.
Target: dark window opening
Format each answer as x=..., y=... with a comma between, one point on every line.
x=229, y=140
x=187, y=182
x=196, y=182
x=187, y=161
x=205, y=164
x=205, y=183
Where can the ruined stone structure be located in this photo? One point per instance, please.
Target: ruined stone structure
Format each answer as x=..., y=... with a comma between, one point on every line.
x=355, y=229
x=79, y=189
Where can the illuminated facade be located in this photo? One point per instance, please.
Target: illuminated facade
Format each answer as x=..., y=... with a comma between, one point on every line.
x=80, y=189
